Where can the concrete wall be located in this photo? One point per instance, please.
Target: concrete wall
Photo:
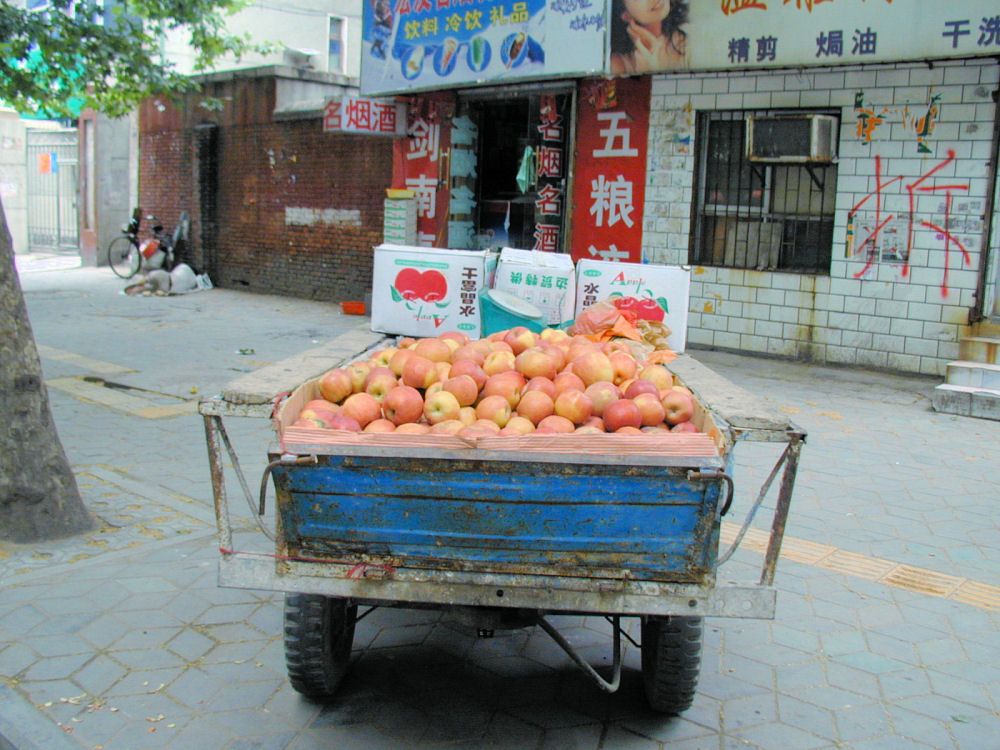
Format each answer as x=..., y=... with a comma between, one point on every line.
x=880, y=314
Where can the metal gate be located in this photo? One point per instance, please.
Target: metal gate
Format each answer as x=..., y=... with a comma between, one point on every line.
x=53, y=159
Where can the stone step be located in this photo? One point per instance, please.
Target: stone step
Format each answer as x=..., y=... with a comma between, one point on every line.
x=967, y=401
x=980, y=349
x=973, y=374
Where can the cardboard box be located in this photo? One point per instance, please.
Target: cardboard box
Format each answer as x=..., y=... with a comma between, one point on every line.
x=425, y=291
x=547, y=280
x=399, y=225
x=659, y=288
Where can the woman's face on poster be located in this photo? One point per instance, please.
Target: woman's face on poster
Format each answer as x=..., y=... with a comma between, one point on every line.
x=647, y=12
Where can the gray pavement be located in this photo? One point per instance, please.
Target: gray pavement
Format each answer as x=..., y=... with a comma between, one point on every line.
x=886, y=634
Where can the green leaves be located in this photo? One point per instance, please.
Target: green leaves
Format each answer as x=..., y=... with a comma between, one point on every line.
x=71, y=56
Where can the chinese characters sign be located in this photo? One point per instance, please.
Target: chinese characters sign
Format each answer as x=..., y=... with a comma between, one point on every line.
x=730, y=34
x=352, y=114
x=610, y=180
x=431, y=44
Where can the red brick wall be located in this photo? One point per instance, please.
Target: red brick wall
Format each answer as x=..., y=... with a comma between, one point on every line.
x=267, y=169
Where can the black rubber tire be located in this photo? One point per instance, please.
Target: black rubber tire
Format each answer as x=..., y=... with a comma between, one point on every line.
x=123, y=257
x=319, y=631
x=671, y=661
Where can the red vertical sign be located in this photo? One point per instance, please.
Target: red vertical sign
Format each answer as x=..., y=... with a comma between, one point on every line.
x=422, y=164
x=609, y=188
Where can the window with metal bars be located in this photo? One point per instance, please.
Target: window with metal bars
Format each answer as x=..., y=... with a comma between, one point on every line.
x=755, y=215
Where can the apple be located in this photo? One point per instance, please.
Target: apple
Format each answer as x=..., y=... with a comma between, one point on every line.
x=682, y=389
x=335, y=385
x=592, y=366
x=359, y=373
x=555, y=423
x=495, y=408
x=580, y=345
x=641, y=386
x=467, y=415
x=309, y=423
x=321, y=411
x=469, y=351
x=406, y=343
x=447, y=427
x=468, y=366
x=589, y=429
x=624, y=366
x=433, y=349
x=487, y=424
x=419, y=372
x=535, y=405
x=628, y=430
x=498, y=361
x=477, y=431
x=677, y=407
x=363, y=407
x=441, y=406
x=661, y=427
x=601, y=394
x=536, y=362
x=517, y=425
x=412, y=428
x=567, y=380
x=520, y=338
x=595, y=422
x=659, y=375
x=457, y=336
x=464, y=387
x=379, y=382
x=433, y=388
x=650, y=408
x=540, y=384
x=508, y=384
x=403, y=404
x=574, y=405
x=398, y=360
x=555, y=352
x=384, y=356
x=554, y=335
x=443, y=370
x=685, y=427
x=499, y=345
x=344, y=422
x=380, y=425
x=621, y=413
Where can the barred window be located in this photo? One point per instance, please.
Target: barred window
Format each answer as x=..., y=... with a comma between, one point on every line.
x=765, y=216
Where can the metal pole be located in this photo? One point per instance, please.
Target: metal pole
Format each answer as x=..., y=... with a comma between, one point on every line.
x=781, y=511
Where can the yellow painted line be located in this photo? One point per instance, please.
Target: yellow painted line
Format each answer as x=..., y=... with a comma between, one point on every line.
x=85, y=363
x=119, y=400
x=887, y=572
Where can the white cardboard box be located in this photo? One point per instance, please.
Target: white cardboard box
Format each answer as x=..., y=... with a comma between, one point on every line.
x=668, y=287
x=547, y=280
x=425, y=291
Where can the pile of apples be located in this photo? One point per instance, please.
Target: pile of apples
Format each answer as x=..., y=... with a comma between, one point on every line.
x=513, y=382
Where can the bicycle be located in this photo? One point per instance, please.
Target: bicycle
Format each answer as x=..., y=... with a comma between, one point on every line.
x=127, y=255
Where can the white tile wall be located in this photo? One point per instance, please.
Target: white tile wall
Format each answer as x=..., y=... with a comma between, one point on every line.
x=884, y=318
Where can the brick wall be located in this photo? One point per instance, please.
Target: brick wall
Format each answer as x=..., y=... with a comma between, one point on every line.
x=880, y=314
x=298, y=210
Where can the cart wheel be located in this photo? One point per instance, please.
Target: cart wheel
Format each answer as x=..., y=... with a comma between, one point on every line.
x=319, y=631
x=671, y=660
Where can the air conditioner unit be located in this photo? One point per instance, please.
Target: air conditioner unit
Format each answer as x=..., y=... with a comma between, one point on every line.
x=806, y=138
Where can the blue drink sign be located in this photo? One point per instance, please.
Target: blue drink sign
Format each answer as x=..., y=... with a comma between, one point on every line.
x=432, y=44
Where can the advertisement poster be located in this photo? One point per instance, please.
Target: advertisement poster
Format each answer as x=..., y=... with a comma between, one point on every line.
x=609, y=186
x=646, y=37
x=410, y=45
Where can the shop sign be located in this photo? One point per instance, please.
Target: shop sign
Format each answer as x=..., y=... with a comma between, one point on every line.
x=741, y=34
x=353, y=114
x=422, y=164
x=432, y=44
x=609, y=185
x=550, y=178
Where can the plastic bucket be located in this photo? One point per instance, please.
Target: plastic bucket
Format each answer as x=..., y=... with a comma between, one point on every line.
x=501, y=310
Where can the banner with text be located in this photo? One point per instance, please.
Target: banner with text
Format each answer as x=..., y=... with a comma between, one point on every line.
x=409, y=45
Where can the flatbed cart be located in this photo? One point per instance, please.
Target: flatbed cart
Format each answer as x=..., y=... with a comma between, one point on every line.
x=502, y=536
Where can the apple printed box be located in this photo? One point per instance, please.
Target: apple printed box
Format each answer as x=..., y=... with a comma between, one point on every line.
x=547, y=280
x=425, y=291
x=661, y=292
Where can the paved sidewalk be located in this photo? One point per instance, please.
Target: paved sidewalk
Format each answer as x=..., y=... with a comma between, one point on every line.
x=888, y=607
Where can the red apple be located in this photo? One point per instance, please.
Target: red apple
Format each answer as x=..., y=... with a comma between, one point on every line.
x=567, y=380
x=380, y=425
x=344, y=422
x=363, y=407
x=403, y=404
x=592, y=366
x=641, y=386
x=621, y=413
x=419, y=372
x=468, y=366
x=589, y=429
x=508, y=384
x=650, y=408
x=412, y=428
x=498, y=361
x=379, y=382
x=540, y=384
x=535, y=405
x=624, y=366
x=574, y=405
x=520, y=338
x=535, y=362
x=335, y=385
x=398, y=360
x=517, y=425
x=469, y=351
x=447, y=427
x=494, y=408
x=601, y=394
x=457, y=336
x=433, y=349
x=628, y=430
x=555, y=423
x=441, y=406
x=658, y=374
x=359, y=373
x=467, y=415
x=684, y=427
x=310, y=423
x=464, y=387
x=677, y=407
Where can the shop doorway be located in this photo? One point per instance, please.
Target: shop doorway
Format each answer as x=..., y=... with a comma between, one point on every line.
x=509, y=171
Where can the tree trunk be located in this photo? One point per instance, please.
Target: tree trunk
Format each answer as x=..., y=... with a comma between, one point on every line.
x=39, y=498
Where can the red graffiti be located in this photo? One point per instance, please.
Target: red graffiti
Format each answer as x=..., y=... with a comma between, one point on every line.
x=918, y=186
